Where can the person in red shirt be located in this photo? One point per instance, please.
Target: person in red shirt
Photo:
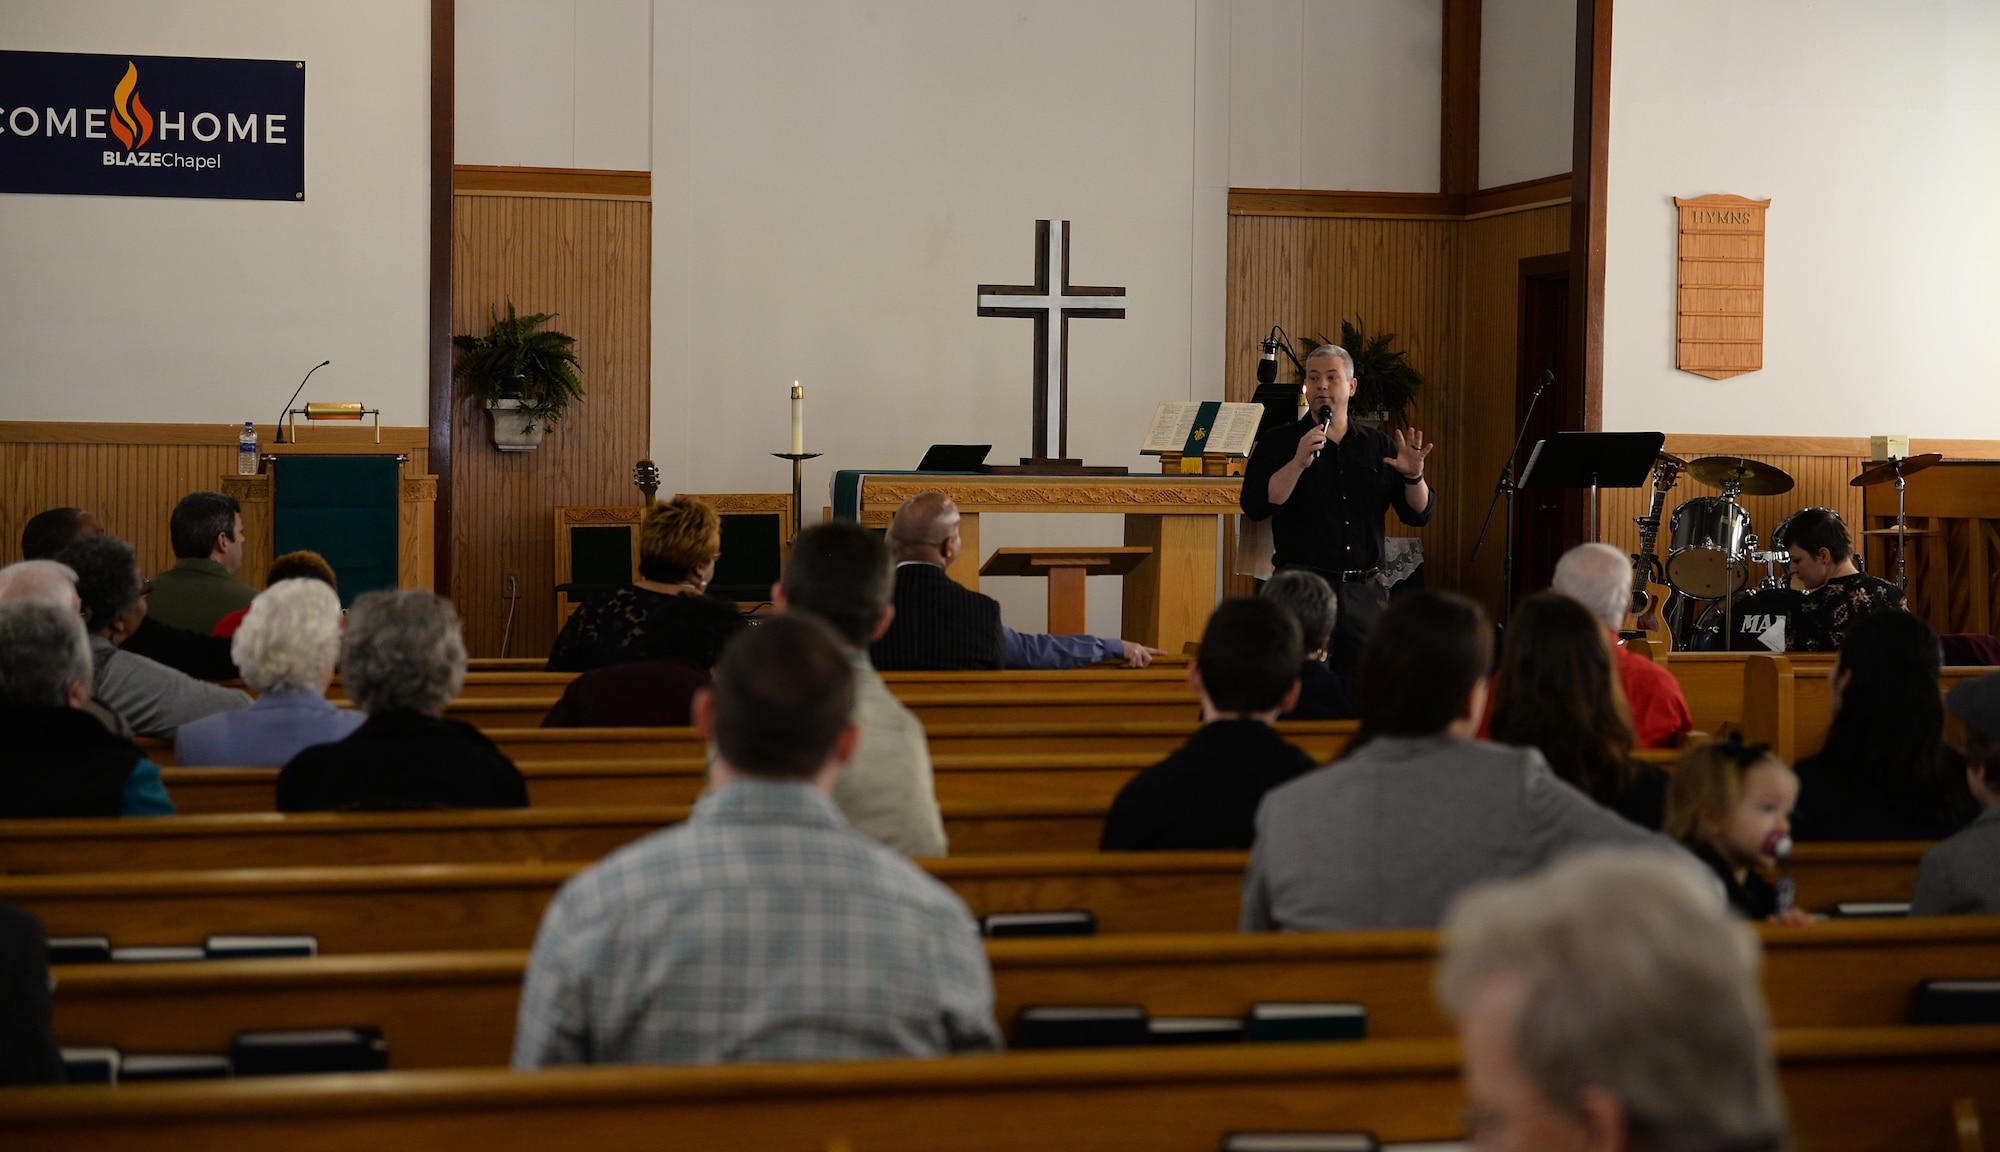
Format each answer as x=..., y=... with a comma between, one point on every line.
x=1599, y=577
x=290, y=566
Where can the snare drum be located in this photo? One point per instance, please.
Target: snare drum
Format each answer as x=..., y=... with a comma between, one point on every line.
x=1759, y=622
x=1706, y=557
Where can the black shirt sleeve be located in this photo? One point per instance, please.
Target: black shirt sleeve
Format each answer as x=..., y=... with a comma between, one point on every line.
x=28, y=1052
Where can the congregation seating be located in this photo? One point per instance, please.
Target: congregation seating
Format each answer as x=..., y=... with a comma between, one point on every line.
x=1322, y=739
x=1788, y=702
x=1850, y=1088
x=1852, y=974
x=425, y=907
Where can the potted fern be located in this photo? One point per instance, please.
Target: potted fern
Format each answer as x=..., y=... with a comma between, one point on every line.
x=525, y=377
x=1385, y=383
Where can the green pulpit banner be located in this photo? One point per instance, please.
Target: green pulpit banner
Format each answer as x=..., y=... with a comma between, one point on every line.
x=345, y=509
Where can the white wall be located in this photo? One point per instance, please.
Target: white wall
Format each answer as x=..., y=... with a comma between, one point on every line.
x=555, y=83
x=831, y=183
x=1335, y=94
x=144, y=309
x=1527, y=89
x=1872, y=129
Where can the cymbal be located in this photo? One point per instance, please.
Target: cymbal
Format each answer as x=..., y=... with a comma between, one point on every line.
x=1886, y=471
x=1751, y=477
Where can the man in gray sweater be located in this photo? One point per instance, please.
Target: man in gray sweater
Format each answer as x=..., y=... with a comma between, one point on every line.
x=1417, y=810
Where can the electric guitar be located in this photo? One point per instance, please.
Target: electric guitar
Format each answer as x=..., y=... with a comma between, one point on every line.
x=1649, y=587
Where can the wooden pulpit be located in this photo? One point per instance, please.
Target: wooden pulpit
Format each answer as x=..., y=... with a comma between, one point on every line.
x=356, y=505
x=1065, y=569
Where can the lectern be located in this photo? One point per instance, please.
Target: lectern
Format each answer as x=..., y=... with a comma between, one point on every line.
x=355, y=504
x=1065, y=568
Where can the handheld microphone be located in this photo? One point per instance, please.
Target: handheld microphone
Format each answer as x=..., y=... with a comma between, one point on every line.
x=1325, y=422
x=295, y=395
x=1267, y=368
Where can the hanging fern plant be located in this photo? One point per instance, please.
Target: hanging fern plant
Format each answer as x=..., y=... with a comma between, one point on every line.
x=1385, y=381
x=516, y=360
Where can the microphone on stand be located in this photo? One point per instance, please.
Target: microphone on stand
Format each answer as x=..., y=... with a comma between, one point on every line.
x=1267, y=368
x=1325, y=423
x=295, y=395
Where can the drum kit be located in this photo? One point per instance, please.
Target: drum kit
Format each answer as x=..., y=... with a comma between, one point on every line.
x=1713, y=550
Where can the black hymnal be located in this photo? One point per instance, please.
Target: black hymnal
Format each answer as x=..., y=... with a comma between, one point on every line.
x=1871, y=909
x=305, y=1050
x=90, y=1065
x=79, y=949
x=1958, y=1002
x=1073, y=923
x=172, y=1066
x=1299, y=1142
x=1097, y=1026
x=1329, y=1021
x=955, y=458
x=259, y=947
x=1196, y=1029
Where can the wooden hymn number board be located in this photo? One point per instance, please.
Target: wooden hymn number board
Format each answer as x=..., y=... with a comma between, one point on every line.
x=1721, y=305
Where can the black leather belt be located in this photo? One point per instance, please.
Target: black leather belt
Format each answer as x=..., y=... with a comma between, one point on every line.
x=1347, y=576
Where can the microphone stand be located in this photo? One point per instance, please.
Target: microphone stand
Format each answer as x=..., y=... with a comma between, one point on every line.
x=295, y=395
x=1505, y=487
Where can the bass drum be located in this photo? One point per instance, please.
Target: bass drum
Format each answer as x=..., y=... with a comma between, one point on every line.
x=1760, y=621
x=1706, y=556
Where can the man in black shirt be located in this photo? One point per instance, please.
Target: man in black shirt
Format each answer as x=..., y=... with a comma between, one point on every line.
x=1205, y=796
x=1837, y=592
x=1326, y=484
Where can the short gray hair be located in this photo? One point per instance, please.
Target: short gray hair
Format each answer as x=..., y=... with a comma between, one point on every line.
x=1599, y=577
x=404, y=652
x=289, y=638
x=1635, y=978
x=43, y=580
x=1332, y=351
x=43, y=650
x=1310, y=600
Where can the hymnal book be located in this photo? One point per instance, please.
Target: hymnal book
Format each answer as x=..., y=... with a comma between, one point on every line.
x=1958, y=1002
x=1331, y=1021
x=1870, y=909
x=1202, y=427
x=79, y=949
x=1299, y=1142
x=1080, y=1026
x=259, y=947
x=173, y=1066
x=157, y=953
x=306, y=1050
x=1196, y=1029
x=1076, y=923
x=92, y=1065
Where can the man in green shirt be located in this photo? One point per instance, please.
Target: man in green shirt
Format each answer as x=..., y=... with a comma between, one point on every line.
x=201, y=587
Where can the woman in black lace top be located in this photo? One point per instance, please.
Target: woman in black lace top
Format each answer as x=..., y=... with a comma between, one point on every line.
x=664, y=614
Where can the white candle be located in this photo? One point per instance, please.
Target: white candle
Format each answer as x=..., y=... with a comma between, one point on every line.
x=798, y=419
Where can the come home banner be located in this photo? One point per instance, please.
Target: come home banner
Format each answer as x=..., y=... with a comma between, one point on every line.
x=73, y=124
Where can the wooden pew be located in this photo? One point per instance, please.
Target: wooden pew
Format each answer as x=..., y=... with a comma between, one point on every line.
x=1788, y=701
x=309, y=839
x=430, y=907
x=1083, y=776
x=536, y=684
x=1852, y=974
x=1322, y=739
x=1847, y=1089
x=1080, y=704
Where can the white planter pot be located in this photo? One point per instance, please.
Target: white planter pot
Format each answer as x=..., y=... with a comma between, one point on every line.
x=513, y=432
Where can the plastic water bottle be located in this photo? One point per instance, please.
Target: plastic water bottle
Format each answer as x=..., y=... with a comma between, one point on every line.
x=246, y=450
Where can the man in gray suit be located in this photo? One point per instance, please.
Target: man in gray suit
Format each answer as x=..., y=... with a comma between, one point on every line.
x=1416, y=810
x=1961, y=876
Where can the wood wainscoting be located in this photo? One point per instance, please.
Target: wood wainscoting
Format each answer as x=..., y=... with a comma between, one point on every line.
x=578, y=244
x=131, y=475
x=1441, y=272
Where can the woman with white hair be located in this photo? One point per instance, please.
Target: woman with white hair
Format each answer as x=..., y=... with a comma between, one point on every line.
x=403, y=660
x=286, y=647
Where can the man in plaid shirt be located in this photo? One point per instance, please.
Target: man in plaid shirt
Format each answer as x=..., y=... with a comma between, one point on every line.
x=764, y=928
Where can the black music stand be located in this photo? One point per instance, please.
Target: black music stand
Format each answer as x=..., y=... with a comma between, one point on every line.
x=1593, y=460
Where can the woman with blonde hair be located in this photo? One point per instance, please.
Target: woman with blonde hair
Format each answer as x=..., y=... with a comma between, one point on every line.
x=286, y=646
x=665, y=614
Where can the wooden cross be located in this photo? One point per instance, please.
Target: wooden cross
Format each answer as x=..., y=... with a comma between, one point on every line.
x=1049, y=299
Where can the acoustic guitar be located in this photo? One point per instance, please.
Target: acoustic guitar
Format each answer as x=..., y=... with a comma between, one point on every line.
x=646, y=477
x=1650, y=590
